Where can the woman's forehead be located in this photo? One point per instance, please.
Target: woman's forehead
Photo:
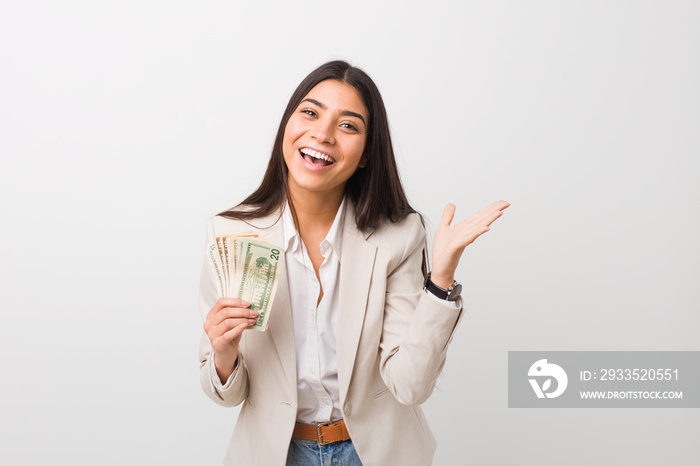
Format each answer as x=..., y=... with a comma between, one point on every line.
x=335, y=95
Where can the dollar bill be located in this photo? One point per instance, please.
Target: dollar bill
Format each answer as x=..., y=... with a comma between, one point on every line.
x=227, y=256
x=223, y=260
x=230, y=259
x=258, y=276
x=246, y=267
x=218, y=269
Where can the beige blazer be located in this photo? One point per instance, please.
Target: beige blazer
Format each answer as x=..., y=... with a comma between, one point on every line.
x=392, y=341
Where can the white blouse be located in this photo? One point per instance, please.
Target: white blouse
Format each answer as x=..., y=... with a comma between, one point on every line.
x=318, y=394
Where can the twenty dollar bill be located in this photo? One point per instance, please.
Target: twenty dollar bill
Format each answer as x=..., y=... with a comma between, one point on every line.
x=258, y=278
x=246, y=267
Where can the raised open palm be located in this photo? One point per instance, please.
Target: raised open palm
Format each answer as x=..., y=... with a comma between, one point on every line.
x=450, y=241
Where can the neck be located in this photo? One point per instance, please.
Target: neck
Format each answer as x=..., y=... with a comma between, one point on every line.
x=315, y=211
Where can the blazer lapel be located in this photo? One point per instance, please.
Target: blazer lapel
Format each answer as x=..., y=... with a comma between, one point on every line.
x=280, y=325
x=356, y=267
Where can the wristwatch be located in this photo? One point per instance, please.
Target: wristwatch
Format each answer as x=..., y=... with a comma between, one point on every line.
x=450, y=294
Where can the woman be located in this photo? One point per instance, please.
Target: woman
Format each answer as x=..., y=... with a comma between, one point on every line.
x=356, y=336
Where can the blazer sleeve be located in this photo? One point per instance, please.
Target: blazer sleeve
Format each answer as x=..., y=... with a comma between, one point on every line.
x=233, y=393
x=417, y=328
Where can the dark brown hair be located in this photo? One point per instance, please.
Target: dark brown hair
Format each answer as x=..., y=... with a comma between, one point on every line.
x=375, y=190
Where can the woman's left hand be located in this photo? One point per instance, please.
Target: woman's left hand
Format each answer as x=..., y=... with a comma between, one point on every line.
x=449, y=242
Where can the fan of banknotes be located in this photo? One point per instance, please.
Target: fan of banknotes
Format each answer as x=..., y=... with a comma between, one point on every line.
x=246, y=268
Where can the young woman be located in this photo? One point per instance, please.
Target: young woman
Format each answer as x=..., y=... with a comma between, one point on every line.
x=358, y=332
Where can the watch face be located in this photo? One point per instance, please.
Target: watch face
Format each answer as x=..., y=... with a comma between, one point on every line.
x=455, y=293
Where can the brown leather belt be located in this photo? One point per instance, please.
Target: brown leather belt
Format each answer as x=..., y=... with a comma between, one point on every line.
x=328, y=432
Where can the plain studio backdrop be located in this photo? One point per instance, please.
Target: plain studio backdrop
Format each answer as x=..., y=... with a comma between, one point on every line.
x=124, y=125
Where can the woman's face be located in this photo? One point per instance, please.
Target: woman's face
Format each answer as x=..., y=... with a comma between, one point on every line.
x=324, y=139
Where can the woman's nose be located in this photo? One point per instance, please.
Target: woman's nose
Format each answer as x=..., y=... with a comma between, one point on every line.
x=324, y=132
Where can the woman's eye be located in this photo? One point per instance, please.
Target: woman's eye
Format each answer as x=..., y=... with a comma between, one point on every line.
x=308, y=111
x=349, y=126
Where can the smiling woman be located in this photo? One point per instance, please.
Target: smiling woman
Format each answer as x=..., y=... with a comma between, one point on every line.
x=325, y=139
x=359, y=329
x=376, y=190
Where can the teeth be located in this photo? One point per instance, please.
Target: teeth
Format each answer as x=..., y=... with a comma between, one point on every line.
x=316, y=154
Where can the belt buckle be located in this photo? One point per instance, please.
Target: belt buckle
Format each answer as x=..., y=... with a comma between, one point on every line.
x=319, y=435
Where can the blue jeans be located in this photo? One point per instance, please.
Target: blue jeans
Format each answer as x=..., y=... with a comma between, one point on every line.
x=310, y=453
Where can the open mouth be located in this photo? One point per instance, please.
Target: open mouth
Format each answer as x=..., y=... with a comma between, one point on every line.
x=315, y=157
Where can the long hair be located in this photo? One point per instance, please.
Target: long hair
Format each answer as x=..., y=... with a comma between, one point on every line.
x=375, y=190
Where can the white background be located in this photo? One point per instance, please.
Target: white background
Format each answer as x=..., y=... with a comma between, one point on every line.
x=124, y=125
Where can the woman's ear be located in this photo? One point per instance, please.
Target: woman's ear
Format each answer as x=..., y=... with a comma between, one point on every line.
x=363, y=161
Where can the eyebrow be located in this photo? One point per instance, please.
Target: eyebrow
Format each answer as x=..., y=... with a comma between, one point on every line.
x=344, y=112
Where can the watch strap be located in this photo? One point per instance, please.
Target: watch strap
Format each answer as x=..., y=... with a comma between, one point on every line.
x=450, y=294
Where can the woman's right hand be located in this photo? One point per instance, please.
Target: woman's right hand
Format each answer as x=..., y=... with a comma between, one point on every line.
x=224, y=325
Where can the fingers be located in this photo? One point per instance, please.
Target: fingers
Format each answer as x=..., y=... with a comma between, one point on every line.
x=235, y=332
x=228, y=307
x=488, y=211
x=234, y=312
x=448, y=214
x=449, y=243
x=226, y=314
x=478, y=224
x=471, y=236
x=492, y=218
x=231, y=302
x=229, y=317
x=227, y=331
x=228, y=324
x=500, y=205
x=221, y=344
x=486, y=216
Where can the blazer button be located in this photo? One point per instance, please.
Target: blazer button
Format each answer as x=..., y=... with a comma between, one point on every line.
x=348, y=409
